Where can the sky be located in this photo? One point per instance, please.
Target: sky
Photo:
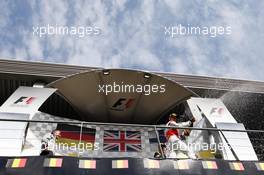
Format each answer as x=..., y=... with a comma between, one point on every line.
x=132, y=34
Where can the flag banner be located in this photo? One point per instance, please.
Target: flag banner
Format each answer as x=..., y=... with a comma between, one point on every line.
x=122, y=141
x=153, y=137
x=129, y=166
x=260, y=166
x=71, y=135
x=53, y=162
x=87, y=164
x=148, y=163
x=119, y=164
x=209, y=165
x=238, y=166
x=181, y=165
x=16, y=163
x=153, y=140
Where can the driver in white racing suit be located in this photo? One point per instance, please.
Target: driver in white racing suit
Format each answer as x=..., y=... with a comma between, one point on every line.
x=173, y=139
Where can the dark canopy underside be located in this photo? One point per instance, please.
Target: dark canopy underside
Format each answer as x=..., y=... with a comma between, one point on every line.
x=127, y=106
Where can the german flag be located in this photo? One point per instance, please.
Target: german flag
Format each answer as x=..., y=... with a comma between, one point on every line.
x=71, y=135
x=181, y=165
x=148, y=163
x=16, y=163
x=87, y=164
x=260, y=166
x=119, y=164
x=238, y=166
x=209, y=165
x=53, y=162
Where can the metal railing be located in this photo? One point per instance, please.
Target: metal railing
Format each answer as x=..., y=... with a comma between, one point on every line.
x=258, y=143
x=129, y=125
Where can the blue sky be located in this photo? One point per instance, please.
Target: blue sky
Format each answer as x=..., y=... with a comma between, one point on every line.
x=132, y=35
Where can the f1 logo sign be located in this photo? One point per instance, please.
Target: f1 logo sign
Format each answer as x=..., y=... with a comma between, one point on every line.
x=218, y=111
x=24, y=100
x=122, y=104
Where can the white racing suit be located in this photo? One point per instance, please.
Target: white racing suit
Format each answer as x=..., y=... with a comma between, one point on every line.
x=174, y=143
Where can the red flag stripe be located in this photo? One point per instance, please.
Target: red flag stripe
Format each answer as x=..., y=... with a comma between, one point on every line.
x=22, y=162
x=76, y=136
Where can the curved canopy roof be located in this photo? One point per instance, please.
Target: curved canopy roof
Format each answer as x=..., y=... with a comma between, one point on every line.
x=136, y=97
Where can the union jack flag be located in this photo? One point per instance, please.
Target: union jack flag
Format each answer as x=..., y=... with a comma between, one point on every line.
x=122, y=141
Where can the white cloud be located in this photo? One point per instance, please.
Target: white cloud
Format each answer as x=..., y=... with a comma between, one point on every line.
x=35, y=49
x=133, y=36
x=4, y=13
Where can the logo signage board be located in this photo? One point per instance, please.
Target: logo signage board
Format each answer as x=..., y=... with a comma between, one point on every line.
x=26, y=99
x=122, y=104
x=213, y=109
